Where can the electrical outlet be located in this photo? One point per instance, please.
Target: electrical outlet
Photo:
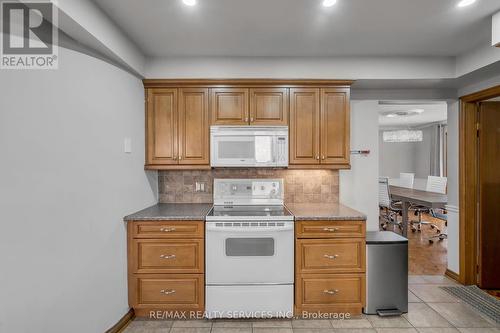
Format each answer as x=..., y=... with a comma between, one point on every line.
x=200, y=186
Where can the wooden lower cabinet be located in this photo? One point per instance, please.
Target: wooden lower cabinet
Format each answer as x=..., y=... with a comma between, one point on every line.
x=166, y=265
x=167, y=292
x=330, y=266
x=330, y=293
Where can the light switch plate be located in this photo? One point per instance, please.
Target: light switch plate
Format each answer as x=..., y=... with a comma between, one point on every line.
x=127, y=145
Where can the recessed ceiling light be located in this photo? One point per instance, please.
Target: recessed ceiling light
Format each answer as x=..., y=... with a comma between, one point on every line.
x=329, y=3
x=391, y=115
x=189, y=2
x=465, y=3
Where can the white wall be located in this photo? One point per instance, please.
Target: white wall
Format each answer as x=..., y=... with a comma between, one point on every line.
x=65, y=186
x=423, y=153
x=359, y=185
x=396, y=157
x=453, y=181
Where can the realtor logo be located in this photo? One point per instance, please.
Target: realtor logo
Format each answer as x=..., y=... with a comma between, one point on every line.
x=29, y=35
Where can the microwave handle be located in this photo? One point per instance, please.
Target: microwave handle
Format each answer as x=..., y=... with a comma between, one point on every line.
x=274, y=148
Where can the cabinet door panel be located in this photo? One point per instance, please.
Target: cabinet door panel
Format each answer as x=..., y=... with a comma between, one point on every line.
x=321, y=292
x=229, y=106
x=161, y=126
x=335, y=125
x=330, y=255
x=304, y=126
x=193, y=126
x=269, y=106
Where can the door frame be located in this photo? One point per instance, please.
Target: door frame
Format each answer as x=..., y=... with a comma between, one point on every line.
x=468, y=181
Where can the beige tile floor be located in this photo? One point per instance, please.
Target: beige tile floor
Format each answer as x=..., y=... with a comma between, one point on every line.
x=430, y=310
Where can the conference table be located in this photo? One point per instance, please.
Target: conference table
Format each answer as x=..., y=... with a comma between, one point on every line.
x=409, y=196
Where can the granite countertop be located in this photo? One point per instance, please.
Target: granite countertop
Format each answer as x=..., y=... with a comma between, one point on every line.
x=171, y=211
x=324, y=211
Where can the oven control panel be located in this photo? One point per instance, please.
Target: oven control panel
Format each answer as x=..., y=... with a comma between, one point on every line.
x=248, y=191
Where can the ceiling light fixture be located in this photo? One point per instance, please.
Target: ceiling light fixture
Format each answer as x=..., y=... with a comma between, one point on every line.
x=391, y=115
x=189, y=2
x=417, y=110
x=465, y=3
x=329, y=3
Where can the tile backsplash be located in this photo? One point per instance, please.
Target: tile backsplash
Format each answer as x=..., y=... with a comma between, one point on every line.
x=301, y=186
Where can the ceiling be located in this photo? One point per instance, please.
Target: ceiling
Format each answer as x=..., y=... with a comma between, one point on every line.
x=303, y=27
x=433, y=112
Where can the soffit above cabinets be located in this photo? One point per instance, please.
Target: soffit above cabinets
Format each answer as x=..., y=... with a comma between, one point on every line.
x=303, y=27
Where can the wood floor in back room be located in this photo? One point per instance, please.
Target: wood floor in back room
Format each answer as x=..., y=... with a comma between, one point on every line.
x=425, y=258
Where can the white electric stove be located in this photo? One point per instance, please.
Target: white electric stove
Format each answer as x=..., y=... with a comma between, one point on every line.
x=249, y=250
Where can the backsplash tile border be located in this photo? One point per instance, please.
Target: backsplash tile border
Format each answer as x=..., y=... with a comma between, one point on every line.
x=301, y=186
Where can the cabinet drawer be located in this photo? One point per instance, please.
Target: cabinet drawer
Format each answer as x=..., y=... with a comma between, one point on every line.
x=167, y=256
x=319, y=291
x=330, y=229
x=168, y=229
x=169, y=291
x=330, y=255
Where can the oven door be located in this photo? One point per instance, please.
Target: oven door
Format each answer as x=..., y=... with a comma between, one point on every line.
x=242, y=150
x=249, y=253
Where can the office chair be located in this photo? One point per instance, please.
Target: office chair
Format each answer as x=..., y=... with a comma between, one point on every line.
x=434, y=184
x=406, y=179
x=443, y=217
x=390, y=210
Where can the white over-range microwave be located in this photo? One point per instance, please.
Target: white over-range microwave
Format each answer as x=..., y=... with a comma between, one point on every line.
x=249, y=146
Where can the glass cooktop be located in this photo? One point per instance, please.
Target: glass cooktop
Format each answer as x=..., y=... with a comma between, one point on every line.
x=277, y=212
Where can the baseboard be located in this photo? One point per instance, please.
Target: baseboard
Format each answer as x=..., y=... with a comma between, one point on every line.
x=452, y=275
x=123, y=322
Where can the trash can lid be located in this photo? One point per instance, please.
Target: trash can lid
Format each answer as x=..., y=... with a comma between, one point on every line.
x=384, y=237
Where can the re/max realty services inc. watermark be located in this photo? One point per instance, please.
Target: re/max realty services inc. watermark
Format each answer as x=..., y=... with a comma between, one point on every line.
x=29, y=35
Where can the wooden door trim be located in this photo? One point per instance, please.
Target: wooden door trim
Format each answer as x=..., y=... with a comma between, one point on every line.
x=159, y=83
x=468, y=155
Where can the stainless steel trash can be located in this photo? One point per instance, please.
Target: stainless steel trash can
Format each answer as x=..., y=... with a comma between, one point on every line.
x=386, y=273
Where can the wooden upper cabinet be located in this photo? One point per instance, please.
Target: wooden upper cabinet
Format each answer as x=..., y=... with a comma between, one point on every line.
x=229, y=106
x=304, y=126
x=269, y=106
x=335, y=125
x=193, y=126
x=161, y=126
x=179, y=114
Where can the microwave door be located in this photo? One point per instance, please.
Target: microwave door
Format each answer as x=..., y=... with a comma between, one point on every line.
x=233, y=151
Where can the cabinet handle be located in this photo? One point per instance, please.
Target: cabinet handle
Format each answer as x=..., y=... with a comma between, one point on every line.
x=246, y=119
x=323, y=157
x=167, y=229
x=167, y=292
x=330, y=229
x=174, y=158
x=251, y=119
x=331, y=292
x=317, y=157
x=335, y=256
x=167, y=256
x=180, y=158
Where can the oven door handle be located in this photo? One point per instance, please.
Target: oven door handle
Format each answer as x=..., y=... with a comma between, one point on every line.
x=249, y=229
